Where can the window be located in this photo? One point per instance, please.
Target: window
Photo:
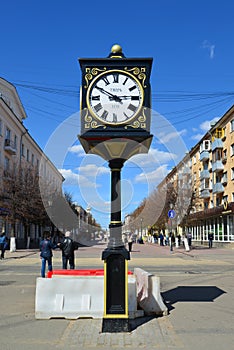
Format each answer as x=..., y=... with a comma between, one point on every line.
x=32, y=158
x=205, y=146
x=194, y=159
x=232, y=196
x=232, y=173
x=206, y=165
x=232, y=125
x=225, y=199
x=22, y=150
x=224, y=178
x=232, y=149
x=15, y=142
x=6, y=164
x=8, y=134
x=0, y=127
x=27, y=157
x=224, y=154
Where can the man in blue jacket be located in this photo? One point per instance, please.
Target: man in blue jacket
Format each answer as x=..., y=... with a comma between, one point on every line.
x=46, y=247
x=3, y=244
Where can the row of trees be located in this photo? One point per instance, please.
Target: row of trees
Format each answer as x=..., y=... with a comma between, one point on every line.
x=28, y=199
x=153, y=210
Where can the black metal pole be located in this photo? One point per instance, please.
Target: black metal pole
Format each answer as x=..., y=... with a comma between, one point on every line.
x=115, y=258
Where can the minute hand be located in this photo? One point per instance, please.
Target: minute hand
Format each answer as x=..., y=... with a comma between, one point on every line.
x=128, y=97
x=114, y=97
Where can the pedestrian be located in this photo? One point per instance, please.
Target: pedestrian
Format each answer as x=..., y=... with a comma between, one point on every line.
x=68, y=246
x=179, y=239
x=130, y=242
x=210, y=239
x=46, y=254
x=189, y=238
x=3, y=244
x=161, y=237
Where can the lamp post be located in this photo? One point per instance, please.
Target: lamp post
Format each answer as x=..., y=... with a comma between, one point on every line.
x=171, y=215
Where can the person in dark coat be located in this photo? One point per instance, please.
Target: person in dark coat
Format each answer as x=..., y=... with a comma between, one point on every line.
x=210, y=239
x=46, y=254
x=68, y=246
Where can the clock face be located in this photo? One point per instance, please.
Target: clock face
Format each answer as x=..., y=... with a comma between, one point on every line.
x=115, y=97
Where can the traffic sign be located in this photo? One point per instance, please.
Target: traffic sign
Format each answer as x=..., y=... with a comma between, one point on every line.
x=171, y=214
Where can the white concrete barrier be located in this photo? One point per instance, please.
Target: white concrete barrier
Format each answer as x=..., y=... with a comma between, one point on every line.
x=74, y=297
x=148, y=293
x=77, y=297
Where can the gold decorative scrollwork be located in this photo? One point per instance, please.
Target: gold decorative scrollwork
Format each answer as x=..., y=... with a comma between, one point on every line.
x=142, y=77
x=142, y=118
x=140, y=122
x=88, y=118
x=87, y=78
x=91, y=72
x=140, y=73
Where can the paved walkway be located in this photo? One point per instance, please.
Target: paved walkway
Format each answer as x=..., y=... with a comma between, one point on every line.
x=200, y=304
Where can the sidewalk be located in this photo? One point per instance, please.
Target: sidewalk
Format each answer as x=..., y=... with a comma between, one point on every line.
x=200, y=312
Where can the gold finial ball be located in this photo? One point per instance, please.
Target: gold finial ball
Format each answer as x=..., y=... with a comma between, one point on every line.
x=116, y=49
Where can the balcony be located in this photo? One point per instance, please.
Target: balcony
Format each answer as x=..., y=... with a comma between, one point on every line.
x=218, y=188
x=204, y=174
x=9, y=146
x=205, y=193
x=217, y=166
x=218, y=143
x=204, y=156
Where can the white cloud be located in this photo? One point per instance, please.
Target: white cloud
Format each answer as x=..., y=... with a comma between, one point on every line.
x=167, y=137
x=72, y=179
x=207, y=45
x=154, y=156
x=155, y=176
x=77, y=149
x=203, y=128
x=92, y=170
x=206, y=125
x=197, y=137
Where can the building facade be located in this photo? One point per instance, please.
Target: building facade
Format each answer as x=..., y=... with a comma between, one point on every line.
x=19, y=150
x=207, y=173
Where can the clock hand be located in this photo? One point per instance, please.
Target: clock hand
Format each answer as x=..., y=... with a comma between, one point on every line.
x=114, y=97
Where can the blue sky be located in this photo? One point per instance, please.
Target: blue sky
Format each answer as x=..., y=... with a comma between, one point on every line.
x=191, y=43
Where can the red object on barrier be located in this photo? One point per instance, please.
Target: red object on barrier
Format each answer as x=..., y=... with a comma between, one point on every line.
x=85, y=272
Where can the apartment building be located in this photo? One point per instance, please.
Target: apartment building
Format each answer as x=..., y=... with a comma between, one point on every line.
x=19, y=149
x=207, y=173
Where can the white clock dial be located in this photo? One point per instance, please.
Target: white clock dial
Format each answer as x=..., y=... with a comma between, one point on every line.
x=115, y=97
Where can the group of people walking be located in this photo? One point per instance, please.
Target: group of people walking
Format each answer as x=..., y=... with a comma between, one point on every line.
x=68, y=247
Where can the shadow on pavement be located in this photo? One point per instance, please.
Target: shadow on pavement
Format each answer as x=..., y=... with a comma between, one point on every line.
x=139, y=321
x=191, y=294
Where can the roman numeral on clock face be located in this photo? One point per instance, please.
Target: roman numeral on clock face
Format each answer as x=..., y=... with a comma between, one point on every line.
x=106, y=80
x=98, y=107
x=116, y=77
x=132, y=107
x=132, y=88
x=104, y=114
x=96, y=98
x=125, y=81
